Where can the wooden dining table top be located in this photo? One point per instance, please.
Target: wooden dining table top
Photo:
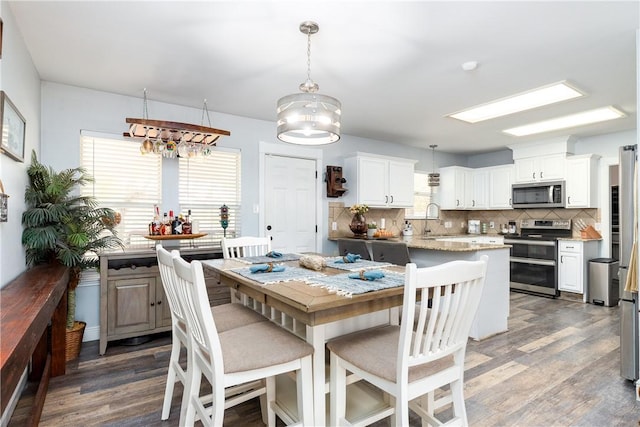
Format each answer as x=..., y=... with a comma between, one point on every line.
x=313, y=305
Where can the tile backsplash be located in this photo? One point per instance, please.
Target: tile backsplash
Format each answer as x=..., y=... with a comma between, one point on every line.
x=394, y=219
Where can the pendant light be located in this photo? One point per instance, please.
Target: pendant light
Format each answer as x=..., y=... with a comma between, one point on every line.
x=434, y=177
x=308, y=118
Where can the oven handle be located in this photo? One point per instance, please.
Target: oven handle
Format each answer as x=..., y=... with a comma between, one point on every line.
x=532, y=261
x=530, y=242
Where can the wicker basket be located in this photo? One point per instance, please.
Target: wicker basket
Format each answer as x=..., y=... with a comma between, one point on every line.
x=74, y=340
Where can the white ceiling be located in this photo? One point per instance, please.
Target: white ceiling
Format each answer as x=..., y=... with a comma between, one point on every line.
x=394, y=65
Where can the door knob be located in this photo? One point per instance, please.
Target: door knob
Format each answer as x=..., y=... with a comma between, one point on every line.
x=269, y=227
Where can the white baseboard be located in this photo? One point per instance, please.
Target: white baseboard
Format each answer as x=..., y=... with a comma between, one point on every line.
x=91, y=334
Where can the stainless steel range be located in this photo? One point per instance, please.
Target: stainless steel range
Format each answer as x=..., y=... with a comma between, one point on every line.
x=534, y=255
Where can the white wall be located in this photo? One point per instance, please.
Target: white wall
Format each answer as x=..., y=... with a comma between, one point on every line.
x=21, y=83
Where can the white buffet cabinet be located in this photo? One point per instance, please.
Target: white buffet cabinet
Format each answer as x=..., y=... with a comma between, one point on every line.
x=378, y=181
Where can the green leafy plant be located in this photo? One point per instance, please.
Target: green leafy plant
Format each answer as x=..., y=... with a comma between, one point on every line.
x=61, y=226
x=372, y=226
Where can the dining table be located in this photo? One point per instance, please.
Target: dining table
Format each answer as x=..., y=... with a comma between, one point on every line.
x=313, y=305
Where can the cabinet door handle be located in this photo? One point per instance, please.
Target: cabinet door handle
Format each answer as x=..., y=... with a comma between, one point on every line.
x=569, y=200
x=473, y=203
x=386, y=199
x=541, y=175
x=561, y=259
x=534, y=175
x=152, y=304
x=457, y=202
x=392, y=198
x=159, y=302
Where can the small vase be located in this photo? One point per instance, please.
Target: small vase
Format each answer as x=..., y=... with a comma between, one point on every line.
x=358, y=225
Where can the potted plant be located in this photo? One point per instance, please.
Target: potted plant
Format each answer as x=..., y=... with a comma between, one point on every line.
x=372, y=227
x=62, y=226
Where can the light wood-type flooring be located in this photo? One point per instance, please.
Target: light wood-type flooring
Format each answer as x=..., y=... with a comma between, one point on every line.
x=557, y=366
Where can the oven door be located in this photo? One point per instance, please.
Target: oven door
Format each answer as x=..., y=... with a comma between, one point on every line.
x=536, y=249
x=533, y=275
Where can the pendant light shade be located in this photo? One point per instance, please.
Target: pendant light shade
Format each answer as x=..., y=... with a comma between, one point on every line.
x=308, y=118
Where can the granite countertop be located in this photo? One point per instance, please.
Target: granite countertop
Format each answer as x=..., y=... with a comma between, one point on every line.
x=430, y=243
x=436, y=245
x=579, y=239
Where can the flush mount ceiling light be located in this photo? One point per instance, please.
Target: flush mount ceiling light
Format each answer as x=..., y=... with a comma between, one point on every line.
x=535, y=98
x=309, y=118
x=573, y=120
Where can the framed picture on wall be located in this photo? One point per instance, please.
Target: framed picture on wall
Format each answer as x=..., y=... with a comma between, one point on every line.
x=12, y=130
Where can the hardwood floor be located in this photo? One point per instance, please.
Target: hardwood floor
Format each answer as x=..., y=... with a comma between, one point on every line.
x=557, y=366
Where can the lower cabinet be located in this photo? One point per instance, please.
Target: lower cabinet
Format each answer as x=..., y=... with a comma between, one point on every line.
x=132, y=298
x=573, y=260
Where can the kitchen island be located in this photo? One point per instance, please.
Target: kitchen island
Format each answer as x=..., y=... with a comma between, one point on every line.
x=493, y=311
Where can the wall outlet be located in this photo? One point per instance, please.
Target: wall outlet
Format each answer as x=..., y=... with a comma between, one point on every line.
x=334, y=226
x=597, y=226
x=447, y=224
x=462, y=225
x=492, y=224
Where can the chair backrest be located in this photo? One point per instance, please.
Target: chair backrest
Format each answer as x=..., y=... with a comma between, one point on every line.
x=352, y=246
x=205, y=343
x=393, y=252
x=442, y=329
x=168, y=277
x=245, y=246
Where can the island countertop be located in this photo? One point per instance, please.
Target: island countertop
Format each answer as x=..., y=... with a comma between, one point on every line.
x=432, y=243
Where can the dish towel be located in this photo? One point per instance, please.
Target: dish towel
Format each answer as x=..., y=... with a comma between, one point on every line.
x=349, y=258
x=367, y=275
x=274, y=254
x=266, y=268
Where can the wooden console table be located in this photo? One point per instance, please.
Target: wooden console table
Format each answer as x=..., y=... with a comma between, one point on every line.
x=27, y=305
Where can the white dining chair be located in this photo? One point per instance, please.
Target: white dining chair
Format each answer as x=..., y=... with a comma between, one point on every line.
x=245, y=246
x=411, y=361
x=228, y=316
x=258, y=351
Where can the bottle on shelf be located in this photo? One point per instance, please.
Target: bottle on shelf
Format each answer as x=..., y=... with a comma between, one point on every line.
x=176, y=226
x=155, y=224
x=166, y=225
x=186, y=225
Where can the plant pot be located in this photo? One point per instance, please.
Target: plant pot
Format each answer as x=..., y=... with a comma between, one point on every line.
x=74, y=340
x=358, y=225
x=371, y=232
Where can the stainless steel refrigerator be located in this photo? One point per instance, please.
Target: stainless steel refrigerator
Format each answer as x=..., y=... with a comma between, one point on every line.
x=629, y=300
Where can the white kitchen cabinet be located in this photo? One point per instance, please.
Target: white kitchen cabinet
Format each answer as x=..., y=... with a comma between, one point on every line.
x=378, y=181
x=455, y=187
x=582, y=181
x=481, y=188
x=573, y=258
x=540, y=168
x=500, y=181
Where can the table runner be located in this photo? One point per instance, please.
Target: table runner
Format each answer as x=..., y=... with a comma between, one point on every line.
x=343, y=285
x=261, y=259
x=361, y=264
x=289, y=274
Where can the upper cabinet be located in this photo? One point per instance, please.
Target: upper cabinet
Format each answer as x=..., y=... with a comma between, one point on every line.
x=500, y=181
x=378, y=181
x=541, y=168
x=481, y=188
x=455, y=184
x=582, y=181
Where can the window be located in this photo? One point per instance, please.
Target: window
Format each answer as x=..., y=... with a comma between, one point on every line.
x=207, y=183
x=422, y=196
x=124, y=180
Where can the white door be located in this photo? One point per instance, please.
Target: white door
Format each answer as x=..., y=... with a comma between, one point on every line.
x=290, y=203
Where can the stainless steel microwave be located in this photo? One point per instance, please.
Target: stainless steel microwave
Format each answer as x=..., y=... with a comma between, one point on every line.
x=538, y=195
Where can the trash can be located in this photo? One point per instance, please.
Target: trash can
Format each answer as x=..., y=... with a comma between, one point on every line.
x=603, y=283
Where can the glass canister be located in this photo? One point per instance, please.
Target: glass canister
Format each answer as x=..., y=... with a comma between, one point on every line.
x=483, y=228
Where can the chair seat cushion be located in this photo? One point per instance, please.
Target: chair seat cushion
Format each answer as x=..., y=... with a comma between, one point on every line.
x=260, y=345
x=376, y=351
x=232, y=315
